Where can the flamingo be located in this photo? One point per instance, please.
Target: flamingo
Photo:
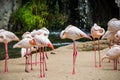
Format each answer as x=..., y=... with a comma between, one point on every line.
x=73, y=33
x=110, y=37
x=97, y=32
x=28, y=35
x=6, y=37
x=113, y=54
x=44, y=31
x=42, y=41
x=113, y=27
x=25, y=43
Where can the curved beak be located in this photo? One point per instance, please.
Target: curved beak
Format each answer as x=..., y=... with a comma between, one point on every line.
x=50, y=45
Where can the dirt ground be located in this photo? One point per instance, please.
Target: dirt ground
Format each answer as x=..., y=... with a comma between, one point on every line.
x=60, y=67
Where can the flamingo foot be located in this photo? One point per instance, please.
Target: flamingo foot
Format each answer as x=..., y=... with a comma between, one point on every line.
x=41, y=76
x=31, y=68
x=6, y=71
x=46, y=69
x=96, y=66
x=73, y=72
x=26, y=70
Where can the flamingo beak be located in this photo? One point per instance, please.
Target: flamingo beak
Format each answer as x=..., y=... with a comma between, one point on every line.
x=32, y=42
x=88, y=37
x=50, y=45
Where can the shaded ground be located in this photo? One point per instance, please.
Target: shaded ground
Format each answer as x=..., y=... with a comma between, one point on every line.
x=60, y=67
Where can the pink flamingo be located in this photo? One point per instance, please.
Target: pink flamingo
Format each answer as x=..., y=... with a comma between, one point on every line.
x=113, y=27
x=42, y=41
x=97, y=32
x=25, y=43
x=44, y=31
x=74, y=33
x=28, y=35
x=113, y=54
x=6, y=37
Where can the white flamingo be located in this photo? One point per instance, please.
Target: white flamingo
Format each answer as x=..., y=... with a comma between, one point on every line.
x=6, y=37
x=42, y=41
x=25, y=43
x=73, y=33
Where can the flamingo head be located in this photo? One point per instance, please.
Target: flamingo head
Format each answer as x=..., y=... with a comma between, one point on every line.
x=62, y=35
x=117, y=35
x=104, y=57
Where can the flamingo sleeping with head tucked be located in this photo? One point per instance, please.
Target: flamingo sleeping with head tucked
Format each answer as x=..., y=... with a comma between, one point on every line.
x=6, y=37
x=97, y=32
x=25, y=43
x=74, y=33
x=42, y=41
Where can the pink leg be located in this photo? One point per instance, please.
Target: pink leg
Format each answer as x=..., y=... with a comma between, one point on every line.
x=43, y=57
x=6, y=58
x=36, y=58
x=109, y=48
x=95, y=53
x=31, y=59
x=118, y=60
x=74, y=56
x=99, y=53
x=41, y=63
x=26, y=65
x=46, y=52
x=115, y=64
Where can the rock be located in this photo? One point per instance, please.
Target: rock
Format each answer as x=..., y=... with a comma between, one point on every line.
x=6, y=9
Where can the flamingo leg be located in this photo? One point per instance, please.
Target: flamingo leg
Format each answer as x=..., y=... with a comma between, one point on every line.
x=46, y=52
x=74, y=56
x=26, y=65
x=99, y=53
x=41, y=63
x=95, y=53
x=6, y=58
x=45, y=60
x=31, y=59
x=115, y=64
x=118, y=60
x=36, y=58
x=43, y=57
x=109, y=48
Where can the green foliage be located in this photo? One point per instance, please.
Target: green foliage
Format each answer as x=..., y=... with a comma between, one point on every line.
x=35, y=14
x=29, y=17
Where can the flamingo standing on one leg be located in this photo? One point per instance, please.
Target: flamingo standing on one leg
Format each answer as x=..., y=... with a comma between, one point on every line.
x=25, y=43
x=42, y=41
x=97, y=32
x=113, y=54
x=6, y=37
x=74, y=33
